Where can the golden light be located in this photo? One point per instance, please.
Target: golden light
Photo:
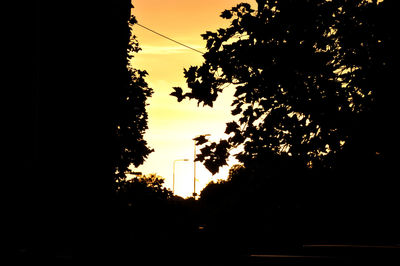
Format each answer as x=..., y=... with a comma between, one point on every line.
x=173, y=125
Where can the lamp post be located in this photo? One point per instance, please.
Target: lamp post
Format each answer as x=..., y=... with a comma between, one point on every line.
x=194, y=164
x=173, y=173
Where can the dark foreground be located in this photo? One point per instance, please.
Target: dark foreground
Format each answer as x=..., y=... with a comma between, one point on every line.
x=204, y=250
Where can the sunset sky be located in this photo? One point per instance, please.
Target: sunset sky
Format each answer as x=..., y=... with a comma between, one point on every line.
x=173, y=125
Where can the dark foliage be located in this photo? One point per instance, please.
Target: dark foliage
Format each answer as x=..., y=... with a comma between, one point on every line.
x=307, y=74
x=258, y=210
x=142, y=190
x=156, y=226
x=315, y=106
x=130, y=120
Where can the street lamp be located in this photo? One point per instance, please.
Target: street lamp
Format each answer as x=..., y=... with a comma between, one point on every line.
x=194, y=164
x=173, y=173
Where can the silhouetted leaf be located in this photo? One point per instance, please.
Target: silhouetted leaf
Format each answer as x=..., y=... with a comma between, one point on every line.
x=178, y=93
x=231, y=127
x=200, y=140
x=226, y=14
x=133, y=20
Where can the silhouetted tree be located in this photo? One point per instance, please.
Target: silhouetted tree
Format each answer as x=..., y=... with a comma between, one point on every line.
x=302, y=72
x=314, y=106
x=255, y=209
x=130, y=115
x=154, y=221
x=363, y=169
x=143, y=190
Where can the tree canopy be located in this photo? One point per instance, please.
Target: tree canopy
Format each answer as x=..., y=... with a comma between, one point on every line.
x=144, y=190
x=304, y=71
x=130, y=147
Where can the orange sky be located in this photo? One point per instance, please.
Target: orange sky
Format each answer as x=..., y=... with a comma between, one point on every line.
x=173, y=125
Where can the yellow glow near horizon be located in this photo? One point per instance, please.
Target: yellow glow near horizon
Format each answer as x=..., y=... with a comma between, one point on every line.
x=173, y=125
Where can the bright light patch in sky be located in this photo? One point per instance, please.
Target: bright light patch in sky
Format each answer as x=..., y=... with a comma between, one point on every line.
x=173, y=125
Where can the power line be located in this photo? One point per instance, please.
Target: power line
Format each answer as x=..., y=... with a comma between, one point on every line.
x=166, y=37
